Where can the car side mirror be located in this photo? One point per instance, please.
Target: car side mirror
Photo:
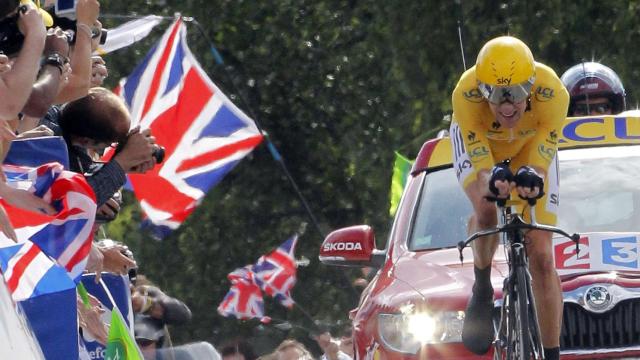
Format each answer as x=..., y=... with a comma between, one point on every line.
x=351, y=246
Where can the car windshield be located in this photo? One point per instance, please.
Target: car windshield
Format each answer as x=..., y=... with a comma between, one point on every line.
x=599, y=192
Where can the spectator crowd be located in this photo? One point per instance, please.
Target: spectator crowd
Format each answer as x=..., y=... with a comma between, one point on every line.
x=50, y=85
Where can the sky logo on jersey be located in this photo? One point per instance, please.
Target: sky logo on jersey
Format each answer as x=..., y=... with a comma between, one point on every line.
x=567, y=258
x=622, y=252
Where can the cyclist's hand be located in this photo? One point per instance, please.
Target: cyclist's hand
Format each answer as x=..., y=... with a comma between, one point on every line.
x=501, y=181
x=529, y=184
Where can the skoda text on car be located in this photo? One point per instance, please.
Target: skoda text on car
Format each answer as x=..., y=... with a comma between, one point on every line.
x=414, y=306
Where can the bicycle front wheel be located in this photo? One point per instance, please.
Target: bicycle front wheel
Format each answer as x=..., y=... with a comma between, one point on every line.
x=518, y=344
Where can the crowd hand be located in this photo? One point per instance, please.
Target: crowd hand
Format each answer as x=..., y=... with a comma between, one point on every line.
x=95, y=262
x=30, y=22
x=95, y=41
x=99, y=71
x=501, y=181
x=328, y=345
x=144, y=167
x=6, y=132
x=109, y=210
x=115, y=261
x=56, y=42
x=39, y=131
x=87, y=12
x=89, y=318
x=5, y=63
x=137, y=301
x=66, y=73
x=141, y=301
x=25, y=200
x=137, y=151
x=529, y=184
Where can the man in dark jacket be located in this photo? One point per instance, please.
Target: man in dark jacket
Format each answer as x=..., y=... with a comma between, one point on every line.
x=93, y=123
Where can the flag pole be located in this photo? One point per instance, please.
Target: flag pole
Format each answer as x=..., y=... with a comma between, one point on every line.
x=270, y=145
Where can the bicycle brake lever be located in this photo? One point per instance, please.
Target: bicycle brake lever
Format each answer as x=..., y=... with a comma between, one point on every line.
x=576, y=239
x=460, y=248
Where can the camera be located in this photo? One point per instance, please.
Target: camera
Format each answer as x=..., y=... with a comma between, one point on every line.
x=158, y=153
x=101, y=219
x=69, y=27
x=11, y=39
x=106, y=243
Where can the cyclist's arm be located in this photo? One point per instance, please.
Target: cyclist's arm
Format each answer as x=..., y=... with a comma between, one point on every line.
x=469, y=113
x=551, y=114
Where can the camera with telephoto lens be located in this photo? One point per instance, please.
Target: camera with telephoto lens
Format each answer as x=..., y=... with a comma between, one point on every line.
x=11, y=39
x=157, y=153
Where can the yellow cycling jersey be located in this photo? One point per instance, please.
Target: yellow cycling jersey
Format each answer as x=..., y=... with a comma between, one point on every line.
x=537, y=131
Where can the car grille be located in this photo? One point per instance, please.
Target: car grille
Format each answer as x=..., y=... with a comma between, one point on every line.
x=618, y=327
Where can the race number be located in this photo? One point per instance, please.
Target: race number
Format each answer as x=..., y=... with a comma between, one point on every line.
x=567, y=258
x=621, y=252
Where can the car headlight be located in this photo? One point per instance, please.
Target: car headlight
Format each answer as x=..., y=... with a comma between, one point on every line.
x=407, y=332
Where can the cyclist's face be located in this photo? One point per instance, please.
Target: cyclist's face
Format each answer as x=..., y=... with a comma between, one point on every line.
x=595, y=106
x=508, y=113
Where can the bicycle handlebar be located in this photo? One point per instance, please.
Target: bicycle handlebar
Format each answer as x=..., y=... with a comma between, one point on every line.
x=502, y=202
x=516, y=224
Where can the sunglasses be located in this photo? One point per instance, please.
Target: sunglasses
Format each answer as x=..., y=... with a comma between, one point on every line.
x=592, y=109
x=512, y=93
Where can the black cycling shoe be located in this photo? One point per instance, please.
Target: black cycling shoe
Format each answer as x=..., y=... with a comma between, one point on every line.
x=477, y=329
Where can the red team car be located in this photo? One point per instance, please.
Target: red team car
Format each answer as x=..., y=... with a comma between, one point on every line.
x=414, y=306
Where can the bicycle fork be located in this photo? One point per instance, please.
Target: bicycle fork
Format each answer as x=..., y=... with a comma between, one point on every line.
x=518, y=260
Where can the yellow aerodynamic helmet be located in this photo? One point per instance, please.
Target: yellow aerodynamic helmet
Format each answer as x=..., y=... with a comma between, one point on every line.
x=505, y=70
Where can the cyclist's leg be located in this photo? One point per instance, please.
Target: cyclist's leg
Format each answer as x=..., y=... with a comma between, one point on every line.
x=477, y=331
x=475, y=184
x=484, y=217
x=545, y=281
x=546, y=287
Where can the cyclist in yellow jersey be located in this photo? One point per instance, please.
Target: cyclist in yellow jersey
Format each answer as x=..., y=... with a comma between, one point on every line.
x=508, y=112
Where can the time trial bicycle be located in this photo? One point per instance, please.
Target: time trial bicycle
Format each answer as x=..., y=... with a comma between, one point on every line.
x=517, y=334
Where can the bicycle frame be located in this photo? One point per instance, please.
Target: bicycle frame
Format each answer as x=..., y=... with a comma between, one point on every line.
x=518, y=333
x=512, y=319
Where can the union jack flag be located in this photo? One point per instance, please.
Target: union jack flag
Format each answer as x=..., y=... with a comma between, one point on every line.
x=204, y=134
x=275, y=273
x=244, y=299
x=66, y=236
x=29, y=273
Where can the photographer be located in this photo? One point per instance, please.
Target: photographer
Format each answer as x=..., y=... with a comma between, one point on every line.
x=87, y=27
x=15, y=84
x=149, y=300
x=93, y=123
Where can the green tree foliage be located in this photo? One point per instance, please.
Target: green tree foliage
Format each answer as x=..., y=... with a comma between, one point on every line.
x=339, y=85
